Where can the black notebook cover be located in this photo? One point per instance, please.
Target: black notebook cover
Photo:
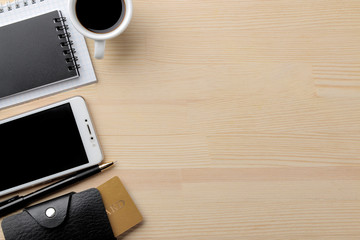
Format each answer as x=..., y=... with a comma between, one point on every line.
x=34, y=53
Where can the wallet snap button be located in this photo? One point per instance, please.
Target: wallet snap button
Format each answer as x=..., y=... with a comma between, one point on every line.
x=50, y=212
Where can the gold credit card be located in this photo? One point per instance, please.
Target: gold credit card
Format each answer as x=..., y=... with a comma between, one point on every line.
x=120, y=208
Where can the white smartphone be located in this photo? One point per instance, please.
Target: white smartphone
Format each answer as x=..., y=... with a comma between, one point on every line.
x=45, y=144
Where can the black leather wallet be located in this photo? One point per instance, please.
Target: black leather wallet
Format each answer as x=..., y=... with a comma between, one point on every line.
x=74, y=216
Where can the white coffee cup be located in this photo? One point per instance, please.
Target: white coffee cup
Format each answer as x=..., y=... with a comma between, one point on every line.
x=100, y=38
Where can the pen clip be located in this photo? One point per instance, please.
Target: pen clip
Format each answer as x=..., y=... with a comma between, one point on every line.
x=9, y=200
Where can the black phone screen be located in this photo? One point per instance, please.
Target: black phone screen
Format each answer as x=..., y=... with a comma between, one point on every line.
x=39, y=145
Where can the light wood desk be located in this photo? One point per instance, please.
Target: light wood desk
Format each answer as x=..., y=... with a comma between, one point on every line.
x=233, y=119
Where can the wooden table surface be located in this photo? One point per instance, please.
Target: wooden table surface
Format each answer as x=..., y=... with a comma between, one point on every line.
x=232, y=119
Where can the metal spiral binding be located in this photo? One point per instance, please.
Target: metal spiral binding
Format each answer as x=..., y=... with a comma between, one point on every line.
x=69, y=51
x=66, y=43
x=12, y=5
x=59, y=19
x=71, y=59
x=64, y=35
x=62, y=28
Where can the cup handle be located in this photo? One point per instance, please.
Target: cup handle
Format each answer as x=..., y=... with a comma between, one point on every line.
x=99, y=49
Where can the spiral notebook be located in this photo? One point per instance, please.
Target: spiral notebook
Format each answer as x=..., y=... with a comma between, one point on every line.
x=41, y=52
x=47, y=45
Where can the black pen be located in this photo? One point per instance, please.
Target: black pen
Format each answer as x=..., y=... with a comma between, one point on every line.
x=17, y=202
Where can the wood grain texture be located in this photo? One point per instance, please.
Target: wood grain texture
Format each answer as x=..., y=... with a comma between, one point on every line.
x=232, y=119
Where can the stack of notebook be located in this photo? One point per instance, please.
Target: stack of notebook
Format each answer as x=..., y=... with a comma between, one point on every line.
x=41, y=52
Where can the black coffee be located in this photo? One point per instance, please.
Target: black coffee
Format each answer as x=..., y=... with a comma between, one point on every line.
x=100, y=16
